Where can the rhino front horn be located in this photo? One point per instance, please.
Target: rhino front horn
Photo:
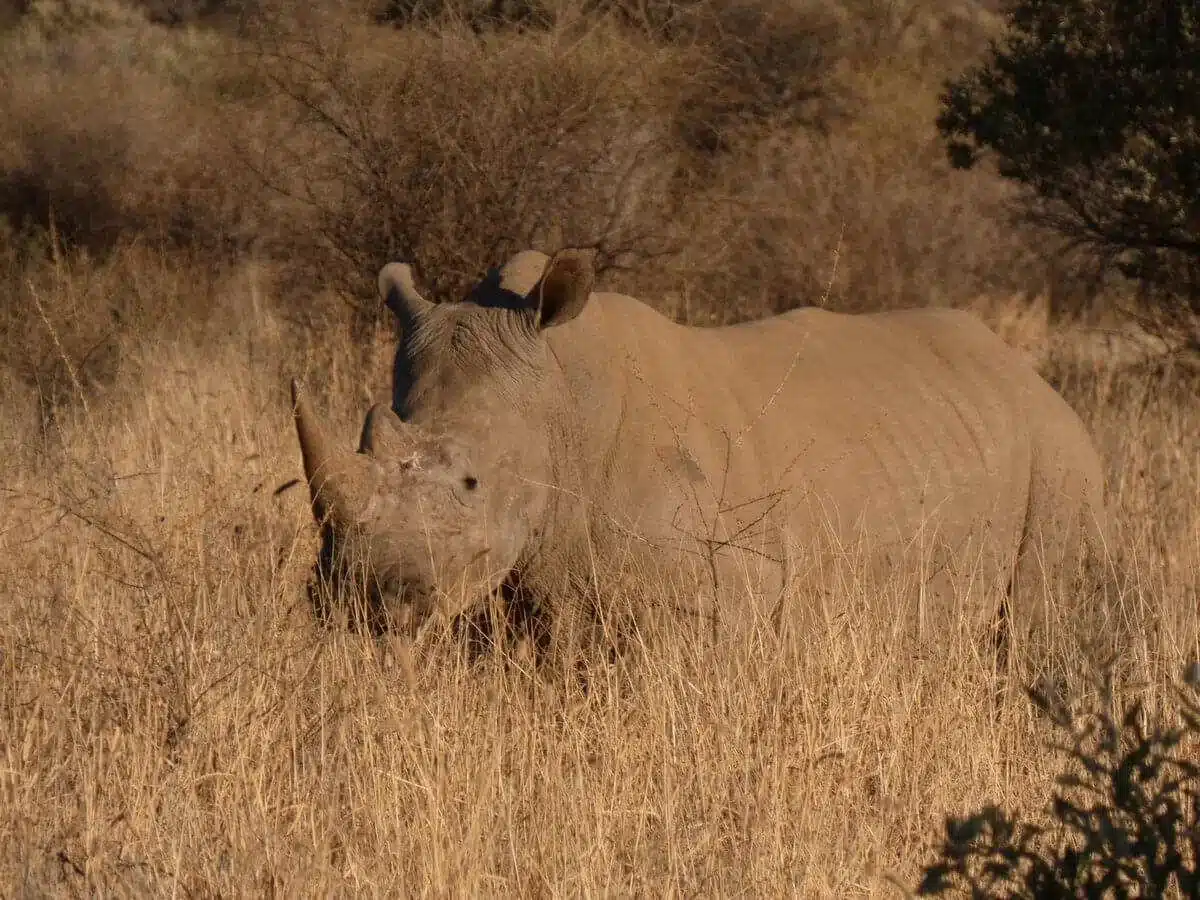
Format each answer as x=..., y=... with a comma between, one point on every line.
x=338, y=481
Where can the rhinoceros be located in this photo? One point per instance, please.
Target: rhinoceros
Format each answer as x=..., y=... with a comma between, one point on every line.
x=585, y=446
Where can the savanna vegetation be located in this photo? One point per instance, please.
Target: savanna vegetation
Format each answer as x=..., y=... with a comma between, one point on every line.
x=194, y=200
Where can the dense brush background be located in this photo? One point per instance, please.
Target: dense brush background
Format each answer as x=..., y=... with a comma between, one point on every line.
x=194, y=199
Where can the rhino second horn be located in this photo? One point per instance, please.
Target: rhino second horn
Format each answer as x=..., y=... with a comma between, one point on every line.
x=384, y=434
x=338, y=481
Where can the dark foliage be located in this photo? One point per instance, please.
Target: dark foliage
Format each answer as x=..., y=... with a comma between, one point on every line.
x=1126, y=818
x=1095, y=105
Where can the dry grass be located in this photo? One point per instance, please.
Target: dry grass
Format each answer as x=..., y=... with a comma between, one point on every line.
x=174, y=720
x=172, y=717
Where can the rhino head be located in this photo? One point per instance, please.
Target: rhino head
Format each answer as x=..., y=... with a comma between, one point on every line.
x=450, y=483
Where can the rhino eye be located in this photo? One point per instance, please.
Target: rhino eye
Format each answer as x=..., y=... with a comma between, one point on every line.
x=470, y=482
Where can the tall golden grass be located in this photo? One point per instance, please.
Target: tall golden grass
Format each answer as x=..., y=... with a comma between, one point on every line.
x=175, y=722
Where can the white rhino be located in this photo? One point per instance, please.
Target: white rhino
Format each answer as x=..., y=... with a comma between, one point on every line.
x=587, y=447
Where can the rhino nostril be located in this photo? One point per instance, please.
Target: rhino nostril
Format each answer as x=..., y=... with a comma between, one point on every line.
x=470, y=482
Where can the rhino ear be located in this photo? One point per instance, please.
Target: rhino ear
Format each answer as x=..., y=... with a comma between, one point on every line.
x=382, y=433
x=564, y=288
x=521, y=273
x=399, y=292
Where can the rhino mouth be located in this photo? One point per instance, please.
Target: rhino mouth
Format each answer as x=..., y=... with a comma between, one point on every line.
x=402, y=610
x=372, y=605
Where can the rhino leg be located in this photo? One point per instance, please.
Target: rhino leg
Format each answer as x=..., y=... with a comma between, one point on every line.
x=1061, y=613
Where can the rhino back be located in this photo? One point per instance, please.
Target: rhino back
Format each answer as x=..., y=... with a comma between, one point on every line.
x=770, y=433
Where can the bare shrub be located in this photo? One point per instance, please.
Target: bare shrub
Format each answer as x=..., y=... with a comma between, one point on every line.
x=114, y=126
x=868, y=217
x=769, y=66
x=756, y=66
x=454, y=152
x=752, y=65
x=933, y=38
x=186, y=12
x=477, y=15
x=11, y=12
x=727, y=143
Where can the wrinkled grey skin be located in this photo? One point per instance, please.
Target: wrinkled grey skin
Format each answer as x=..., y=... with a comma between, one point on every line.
x=591, y=448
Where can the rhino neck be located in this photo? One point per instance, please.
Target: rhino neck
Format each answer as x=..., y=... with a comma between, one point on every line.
x=591, y=430
x=584, y=429
x=600, y=361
